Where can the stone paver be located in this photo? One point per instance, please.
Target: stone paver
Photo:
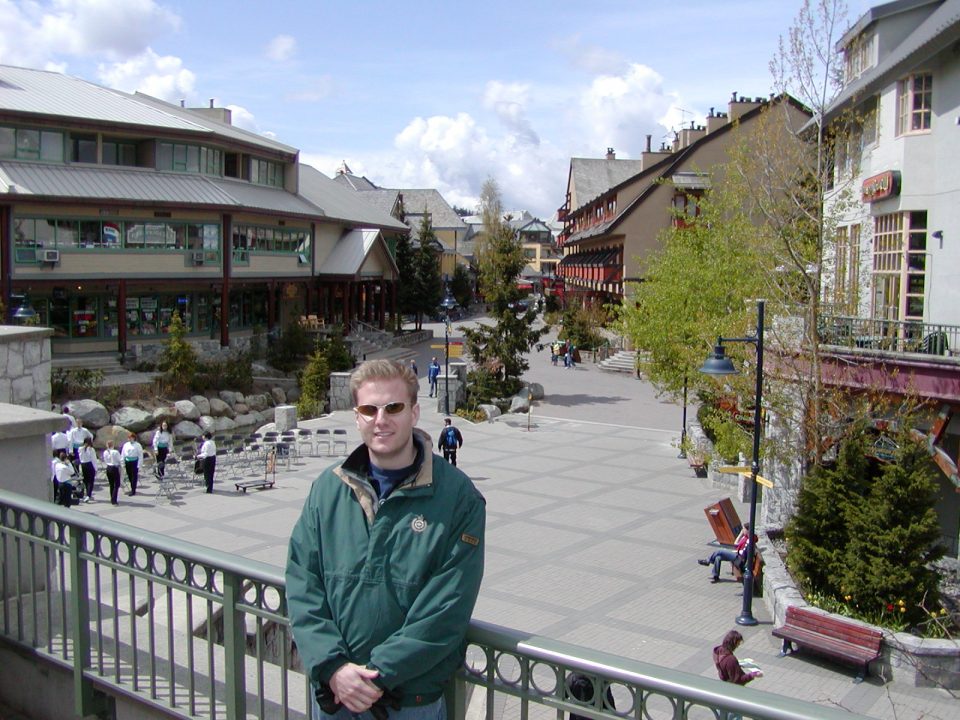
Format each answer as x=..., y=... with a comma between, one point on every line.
x=594, y=526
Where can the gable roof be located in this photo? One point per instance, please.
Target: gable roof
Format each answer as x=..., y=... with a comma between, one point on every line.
x=441, y=214
x=592, y=177
x=357, y=182
x=352, y=251
x=937, y=33
x=341, y=203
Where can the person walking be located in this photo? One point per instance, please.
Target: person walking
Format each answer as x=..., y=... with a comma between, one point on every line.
x=88, y=467
x=208, y=456
x=132, y=452
x=433, y=372
x=76, y=435
x=111, y=460
x=162, y=445
x=385, y=563
x=450, y=441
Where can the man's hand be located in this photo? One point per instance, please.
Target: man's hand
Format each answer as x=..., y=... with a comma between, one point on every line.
x=353, y=686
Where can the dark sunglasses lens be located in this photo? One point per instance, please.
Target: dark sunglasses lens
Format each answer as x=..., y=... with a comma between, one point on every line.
x=367, y=410
x=394, y=408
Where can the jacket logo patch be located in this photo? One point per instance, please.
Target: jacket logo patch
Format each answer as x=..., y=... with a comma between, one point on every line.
x=418, y=524
x=470, y=539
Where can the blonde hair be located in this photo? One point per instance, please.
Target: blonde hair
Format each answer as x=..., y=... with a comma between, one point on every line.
x=381, y=369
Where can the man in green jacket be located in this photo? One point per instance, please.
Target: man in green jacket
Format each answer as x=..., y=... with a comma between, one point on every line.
x=385, y=563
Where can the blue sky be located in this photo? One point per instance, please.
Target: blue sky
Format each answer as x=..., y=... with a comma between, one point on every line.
x=440, y=94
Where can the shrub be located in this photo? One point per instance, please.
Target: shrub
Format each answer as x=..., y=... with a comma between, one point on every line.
x=290, y=349
x=314, y=386
x=580, y=326
x=179, y=360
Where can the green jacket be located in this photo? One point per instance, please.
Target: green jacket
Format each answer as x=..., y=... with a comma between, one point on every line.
x=389, y=585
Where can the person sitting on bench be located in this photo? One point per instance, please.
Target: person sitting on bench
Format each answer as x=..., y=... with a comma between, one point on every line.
x=735, y=557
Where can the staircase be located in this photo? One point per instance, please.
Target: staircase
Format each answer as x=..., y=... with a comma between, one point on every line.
x=624, y=361
x=365, y=340
x=108, y=362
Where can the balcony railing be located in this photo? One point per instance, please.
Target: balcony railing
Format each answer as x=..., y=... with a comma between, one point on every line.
x=889, y=335
x=198, y=633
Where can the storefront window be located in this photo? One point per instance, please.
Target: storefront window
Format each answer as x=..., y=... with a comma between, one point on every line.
x=111, y=318
x=84, y=317
x=203, y=313
x=60, y=316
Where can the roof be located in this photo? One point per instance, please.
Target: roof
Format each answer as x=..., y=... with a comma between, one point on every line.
x=441, y=214
x=50, y=94
x=937, y=33
x=591, y=177
x=357, y=182
x=879, y=12
x=139, y=185
x=350, y=252
x=341, y=203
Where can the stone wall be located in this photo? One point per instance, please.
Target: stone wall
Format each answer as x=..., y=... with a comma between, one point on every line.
x=340, y=398
x=457, y=380
x=25, y=366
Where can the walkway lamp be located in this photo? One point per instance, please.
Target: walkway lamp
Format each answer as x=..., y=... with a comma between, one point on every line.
x=448, y=303
x=718, y=364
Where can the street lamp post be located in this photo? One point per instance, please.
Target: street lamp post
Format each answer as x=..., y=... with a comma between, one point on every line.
x=719, y=364
x=448, y=303
x=683, y=428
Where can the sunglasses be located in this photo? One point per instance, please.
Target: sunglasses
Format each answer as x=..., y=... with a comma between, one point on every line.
x=370, y=411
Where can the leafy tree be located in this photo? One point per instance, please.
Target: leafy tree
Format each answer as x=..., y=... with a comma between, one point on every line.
x=894, y=536
x=178, y=362
x=579, y=325
x=500, y=349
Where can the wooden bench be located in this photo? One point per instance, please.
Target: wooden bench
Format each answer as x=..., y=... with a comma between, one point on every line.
x=835, y=637
x=259, y=483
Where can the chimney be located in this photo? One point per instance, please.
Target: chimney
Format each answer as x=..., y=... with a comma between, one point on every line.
x=741, y=105
x=611, y=155
x=647, y=148
x=690, y=135
x=211, y=103
x=650, y=158
x=183, y=103
x=223, y=115
x=715, y=121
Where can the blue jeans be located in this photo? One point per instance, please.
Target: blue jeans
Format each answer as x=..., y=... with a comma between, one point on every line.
x=718, y=557
x=436, y=710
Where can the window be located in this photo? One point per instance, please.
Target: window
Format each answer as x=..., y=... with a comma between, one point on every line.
x=31, y=144
x=858, y=57
x=83, y=148
x=254, y=239
x=189, y=158
x=914, y=103
x=847, y=270
x=265, y=172
x=899, y=265
x=119, y=152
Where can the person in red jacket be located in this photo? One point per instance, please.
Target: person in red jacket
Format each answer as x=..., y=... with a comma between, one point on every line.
x=728, y=667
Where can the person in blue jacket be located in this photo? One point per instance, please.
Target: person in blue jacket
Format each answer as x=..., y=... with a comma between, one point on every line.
x=385, y=563
x=433, y=372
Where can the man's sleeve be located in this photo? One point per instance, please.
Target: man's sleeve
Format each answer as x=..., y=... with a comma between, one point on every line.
x=438, y=619
x=321, y=647
x=459, y=439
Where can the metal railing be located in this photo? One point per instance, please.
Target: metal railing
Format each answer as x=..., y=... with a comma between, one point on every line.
x=898, y=336
x=202, y=634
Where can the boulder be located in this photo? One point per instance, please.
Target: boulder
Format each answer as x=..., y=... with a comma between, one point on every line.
x=248, y=419
x=186, y=430
x=519, y=403
x=258, y=402
x=230, y=397
x=491, y=411
x=279, y=396
x=110, y=432
x=145, y=438
x=268, y=415
x=164, y=414
x=293, y=394
x=93, y=414
x=241, y=409
x=188, y=410
x=203, y=405
x=133, y=419
x=536, y=391
x=218, y=408
x=216, y=424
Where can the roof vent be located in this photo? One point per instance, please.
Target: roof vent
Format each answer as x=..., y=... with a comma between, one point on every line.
x=611, y=155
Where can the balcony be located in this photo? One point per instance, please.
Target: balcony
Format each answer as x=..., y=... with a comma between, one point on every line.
x=119, y=620
x=894, y=336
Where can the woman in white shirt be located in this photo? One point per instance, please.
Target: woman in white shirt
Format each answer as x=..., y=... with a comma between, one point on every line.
x=162, y=445
x=112, y=460
x=208, y=453
x=132, y=453
x=88, y=467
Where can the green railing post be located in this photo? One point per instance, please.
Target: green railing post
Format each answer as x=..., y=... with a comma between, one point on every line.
x=455, y=697
x=86, y=701
x=234, y=647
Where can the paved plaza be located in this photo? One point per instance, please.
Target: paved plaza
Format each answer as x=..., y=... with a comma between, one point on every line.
x=594, y=527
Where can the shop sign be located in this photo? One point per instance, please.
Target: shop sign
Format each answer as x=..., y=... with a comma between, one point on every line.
x=880, y=187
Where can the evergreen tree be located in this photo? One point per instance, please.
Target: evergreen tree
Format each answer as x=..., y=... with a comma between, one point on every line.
x=179, y=361
x=818, y=534
x=405, y=271
x=427, y=285
x=894, y=536
x=314, y=386
x=460, y=286
x=500, y=349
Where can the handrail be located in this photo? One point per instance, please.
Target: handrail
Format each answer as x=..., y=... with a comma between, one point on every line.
x=900, y=336
x=201, y=633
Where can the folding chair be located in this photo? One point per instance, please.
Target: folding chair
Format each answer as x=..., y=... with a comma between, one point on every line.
x=322, y=435
x=304, y=439
x=339, y=438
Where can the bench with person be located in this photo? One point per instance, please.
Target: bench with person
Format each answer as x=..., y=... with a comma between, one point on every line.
x=843, y=640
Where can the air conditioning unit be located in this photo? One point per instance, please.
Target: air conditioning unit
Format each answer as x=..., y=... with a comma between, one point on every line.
x=197, y=257
x=51, y=256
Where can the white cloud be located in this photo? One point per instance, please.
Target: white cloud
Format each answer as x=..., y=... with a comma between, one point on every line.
x=313, y=91
x=243, y=118
x=161, y=76
x=509, y=102
x=281, y=48
x=34, y=34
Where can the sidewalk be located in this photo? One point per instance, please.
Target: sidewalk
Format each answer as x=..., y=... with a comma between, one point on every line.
x=593, y=530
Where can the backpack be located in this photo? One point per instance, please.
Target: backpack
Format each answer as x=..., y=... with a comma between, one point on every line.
x=450, y=437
